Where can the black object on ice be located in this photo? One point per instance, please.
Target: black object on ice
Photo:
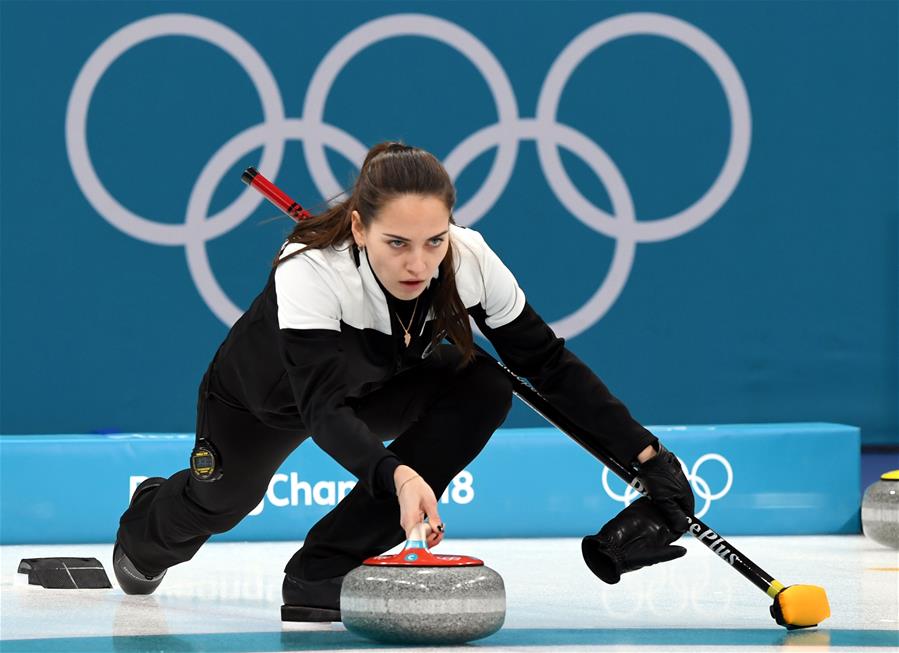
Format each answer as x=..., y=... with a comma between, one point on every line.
x=65, y=573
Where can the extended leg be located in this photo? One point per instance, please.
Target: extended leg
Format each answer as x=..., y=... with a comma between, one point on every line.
x=167, y=524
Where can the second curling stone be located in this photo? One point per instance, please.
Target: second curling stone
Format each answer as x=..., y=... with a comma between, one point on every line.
x=880, y=510
x=416, y=597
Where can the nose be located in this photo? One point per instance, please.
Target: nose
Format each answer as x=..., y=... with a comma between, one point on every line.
x=416, y=264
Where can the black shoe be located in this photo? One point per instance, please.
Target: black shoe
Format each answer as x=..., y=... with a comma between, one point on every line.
x=311, y=600
x=130, y=578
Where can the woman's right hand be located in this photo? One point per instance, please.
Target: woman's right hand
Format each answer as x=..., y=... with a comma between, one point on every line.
x=417, y=501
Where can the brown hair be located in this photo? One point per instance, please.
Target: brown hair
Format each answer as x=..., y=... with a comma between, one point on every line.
x=392, y=169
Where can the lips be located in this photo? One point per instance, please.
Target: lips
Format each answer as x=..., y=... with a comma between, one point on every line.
x=413, y=282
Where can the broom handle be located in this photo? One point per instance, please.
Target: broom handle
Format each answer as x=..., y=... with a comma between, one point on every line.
x=704, y=533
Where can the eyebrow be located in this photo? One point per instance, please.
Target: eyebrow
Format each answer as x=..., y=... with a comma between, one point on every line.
x=394, y=236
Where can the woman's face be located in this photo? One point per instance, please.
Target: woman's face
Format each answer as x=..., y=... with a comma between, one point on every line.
x=406, y=242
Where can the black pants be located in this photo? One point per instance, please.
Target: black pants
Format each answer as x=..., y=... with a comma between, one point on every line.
x=440, y=418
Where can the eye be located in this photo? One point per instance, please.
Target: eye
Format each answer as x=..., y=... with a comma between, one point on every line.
x=396, y=244
x=435, y=242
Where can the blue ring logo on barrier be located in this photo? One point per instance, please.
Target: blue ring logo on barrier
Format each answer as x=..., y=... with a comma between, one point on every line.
x=509, y=130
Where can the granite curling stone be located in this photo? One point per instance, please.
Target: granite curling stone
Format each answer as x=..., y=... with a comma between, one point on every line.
x=416, y=597
x=880, y=510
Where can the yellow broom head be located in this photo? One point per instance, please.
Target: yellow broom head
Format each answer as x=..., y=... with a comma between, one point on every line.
x=800, y=606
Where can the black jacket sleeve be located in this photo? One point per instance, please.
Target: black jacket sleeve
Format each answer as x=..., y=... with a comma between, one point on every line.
x=528, y=346
x=316, y=368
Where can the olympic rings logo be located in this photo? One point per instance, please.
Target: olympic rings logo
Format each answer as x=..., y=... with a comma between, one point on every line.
x=505, y=135
x=700, y=486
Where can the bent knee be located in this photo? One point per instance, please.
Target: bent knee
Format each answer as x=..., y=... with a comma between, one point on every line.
x=490, y=387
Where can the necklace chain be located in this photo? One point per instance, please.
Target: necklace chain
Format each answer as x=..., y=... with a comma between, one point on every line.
x=407, y=338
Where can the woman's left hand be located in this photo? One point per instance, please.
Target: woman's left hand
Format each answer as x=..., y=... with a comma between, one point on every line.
x=669, y=489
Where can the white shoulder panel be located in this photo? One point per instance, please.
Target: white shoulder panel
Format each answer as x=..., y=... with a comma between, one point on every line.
x=482, y=278
x=307, y=290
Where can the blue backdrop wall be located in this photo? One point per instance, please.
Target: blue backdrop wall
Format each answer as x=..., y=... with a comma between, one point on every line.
x=700, y=196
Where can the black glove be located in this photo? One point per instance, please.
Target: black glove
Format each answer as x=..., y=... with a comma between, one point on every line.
x=636, y=537
x=668, y=488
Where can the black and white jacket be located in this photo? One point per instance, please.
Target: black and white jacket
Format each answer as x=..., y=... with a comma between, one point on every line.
x=322, y=331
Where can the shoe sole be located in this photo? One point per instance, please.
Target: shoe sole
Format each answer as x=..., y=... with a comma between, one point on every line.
x=304, y=613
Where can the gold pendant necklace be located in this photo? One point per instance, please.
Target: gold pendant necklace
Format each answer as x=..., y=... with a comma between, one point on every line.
x=407, y=338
